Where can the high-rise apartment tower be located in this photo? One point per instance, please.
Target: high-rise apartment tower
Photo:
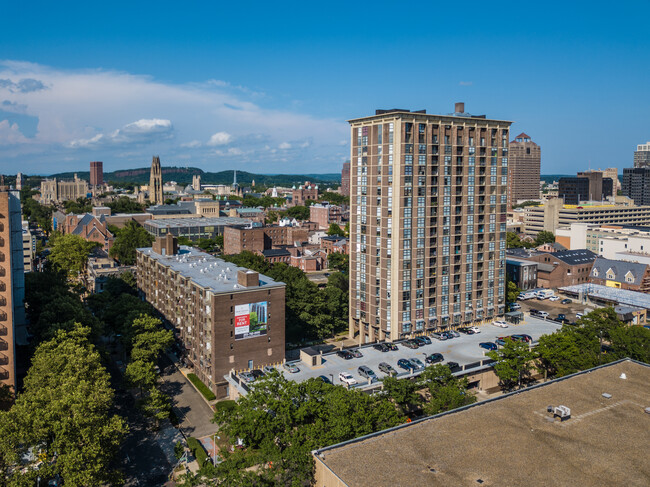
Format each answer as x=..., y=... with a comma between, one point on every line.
x=12, y=283
x=345, y=179
x=96, y=173
x=427, y=222
x=156, y=183
x=523, y=170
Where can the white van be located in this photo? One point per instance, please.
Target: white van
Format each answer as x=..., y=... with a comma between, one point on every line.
x=542, y=314
x=545, y=294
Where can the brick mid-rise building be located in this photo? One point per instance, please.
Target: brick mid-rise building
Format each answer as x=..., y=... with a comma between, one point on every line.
x=257, y=239
x=229, y=318
x=523, y=170
x=324, y=215
x=427, y=222
x=96, y=173
x=345, y=179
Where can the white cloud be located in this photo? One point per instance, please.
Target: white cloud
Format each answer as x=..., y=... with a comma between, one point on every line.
x=234, y=151
x=220, y=138
x=191, y=145
x=138, y=132
x=114, y=113
x=10, y=134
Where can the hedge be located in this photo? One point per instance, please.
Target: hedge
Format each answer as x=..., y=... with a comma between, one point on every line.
x=197, y=450
x=203, y=389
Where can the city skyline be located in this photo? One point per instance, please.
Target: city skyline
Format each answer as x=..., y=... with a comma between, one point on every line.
x=269, y=91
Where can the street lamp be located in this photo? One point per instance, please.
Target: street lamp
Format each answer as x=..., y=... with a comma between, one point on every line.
x=332, y=377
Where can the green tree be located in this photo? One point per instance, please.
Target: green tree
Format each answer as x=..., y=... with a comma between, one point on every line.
x=298, y=212
x=141, y=374
x=335, y=229
x=544, y=237
x=632, y=342
x=512, y=291
x=124, y=204
x=513, y=241
x=403, y=392
x=129, y=238
x=78, y=206
x=567, y=351
x=70, y=254
x=65, y=413
x=447, y=392
x=338, y=261
x=150, y=339
x=514, y=363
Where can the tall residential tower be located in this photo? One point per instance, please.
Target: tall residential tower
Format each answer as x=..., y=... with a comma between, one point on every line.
x=523, y=170
x=642, y=155
x=427, y=222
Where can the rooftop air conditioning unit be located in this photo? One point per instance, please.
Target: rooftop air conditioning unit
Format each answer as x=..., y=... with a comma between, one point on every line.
x=562, y=412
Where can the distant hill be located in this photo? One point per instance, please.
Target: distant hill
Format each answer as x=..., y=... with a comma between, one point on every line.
x=183, y=175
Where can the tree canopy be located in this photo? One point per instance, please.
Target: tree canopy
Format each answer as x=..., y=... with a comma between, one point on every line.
x=127, y=240
x=124, y=204
x=544, y=237
x=70, y=254
x=513, y=363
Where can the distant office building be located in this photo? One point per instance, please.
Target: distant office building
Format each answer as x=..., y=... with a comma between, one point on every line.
x=236, y=239
x=96, y=173
x=345, y=179
x=12, y=283
x=524, y=166
x=427, y=222
x=325, y=214
x=19, y=181
x=554, y=214
x=58, y=191
x=229, y=318
x=156, y=183
x=586, y=186
x=636, y=184
x=29, y=247
x=642, y=155
x=192, y=228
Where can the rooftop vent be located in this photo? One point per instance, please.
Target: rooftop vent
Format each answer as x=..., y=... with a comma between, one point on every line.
x=562, y=412
x=623, y=376
x=606, y=395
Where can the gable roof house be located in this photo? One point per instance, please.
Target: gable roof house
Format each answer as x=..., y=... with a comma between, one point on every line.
x=621, y=274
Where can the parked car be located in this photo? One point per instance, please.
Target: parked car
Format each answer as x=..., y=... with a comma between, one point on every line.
x=516, y=338
x=533, y=312
x=488, y=345
x=405, y=364
x=515, y=306
x=500, y=341
x=325, y=379
x=453, y=365
x=345, y=354
x=392, y=346
x=417, y=363
x=542, y=314
x=500, y=324
x=475, y=329
x=387, y=368
x=427, y=340
x=439, y=336
x=347, y=379
x=268, y=369
x=382, y=347
x=554, y=298
x=420, y=341
x=410, y=344
x=566, y=301
x=561, y=317
x=434, y=358
x=453, y=333
x=291, y=368
x=367, y=373
x=247, y=377
x=356, y=353
x=579, y=315
x=521, y=337
x=464, y=329
x=257, y=374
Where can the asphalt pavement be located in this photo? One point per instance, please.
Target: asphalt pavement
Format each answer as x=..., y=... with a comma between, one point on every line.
x=463, y=350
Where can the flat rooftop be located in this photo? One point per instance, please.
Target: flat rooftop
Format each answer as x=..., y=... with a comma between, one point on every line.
x=197, y=222
x=207, y=271
x=513, y=441
x=612, y=294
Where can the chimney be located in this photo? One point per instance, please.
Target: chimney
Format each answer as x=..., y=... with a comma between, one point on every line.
x=460, y=107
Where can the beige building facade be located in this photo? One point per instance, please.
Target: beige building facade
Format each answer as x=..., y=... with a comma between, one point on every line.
x=427, y=222
x=524, y=165
x=57, y=190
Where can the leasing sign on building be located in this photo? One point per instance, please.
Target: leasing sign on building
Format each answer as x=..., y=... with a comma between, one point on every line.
x=251, y=320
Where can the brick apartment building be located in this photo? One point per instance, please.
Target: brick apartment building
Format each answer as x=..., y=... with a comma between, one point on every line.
x=427, y=222
x=324, y=215
x=228, y=318
x=257, y=239
x=12, y=284
x=89, y=227
x=559, y=269
x=345, y=179
x=334, y=243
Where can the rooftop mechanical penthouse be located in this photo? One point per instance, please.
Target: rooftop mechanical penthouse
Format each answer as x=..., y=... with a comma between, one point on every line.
x=228, y=317
x=427, y=222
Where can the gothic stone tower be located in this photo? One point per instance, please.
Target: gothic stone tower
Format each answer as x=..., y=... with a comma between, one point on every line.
x=156, y=183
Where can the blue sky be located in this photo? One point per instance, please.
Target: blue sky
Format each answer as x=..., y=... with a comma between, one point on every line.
x=268, y=86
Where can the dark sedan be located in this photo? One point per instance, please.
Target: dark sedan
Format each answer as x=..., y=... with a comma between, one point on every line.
x=345, y=354
x=410, y=344
x=488, y=345
x=356, y=353
x=434, y=358
x=405, y=364
x=382, y=347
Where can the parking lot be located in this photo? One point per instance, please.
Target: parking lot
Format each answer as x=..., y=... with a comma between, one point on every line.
x=553, y=308
x=463, y=350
